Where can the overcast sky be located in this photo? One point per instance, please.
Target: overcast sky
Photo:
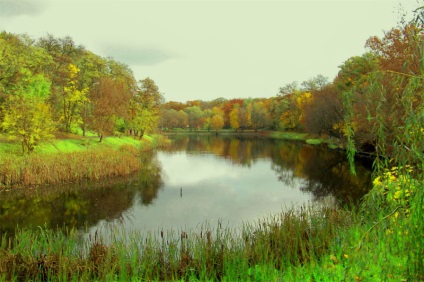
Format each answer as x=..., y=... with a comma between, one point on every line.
x=209, y=49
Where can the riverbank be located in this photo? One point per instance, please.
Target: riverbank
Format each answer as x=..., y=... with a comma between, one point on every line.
x=312, y=139
x=379, y=240
x=72, y=160
x=314, y=244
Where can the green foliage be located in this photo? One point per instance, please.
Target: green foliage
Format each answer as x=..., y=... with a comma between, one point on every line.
x=314, y=141
x=73, y=100
x=27, y=117
x=145, y=107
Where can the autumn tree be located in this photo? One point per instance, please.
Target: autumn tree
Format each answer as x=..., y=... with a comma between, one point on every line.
x=383, y=101
x=399, y=50
x=18, y=52
x=234, y=118
x=73, y=100
x=244, y=117
x=217, y=122
x=64, y=53
x=259, y=115
x=289, y=118
x=195, y=117
x=92, y=68
x=227, y=107
x=275, y=109
x=315, y=84
x=27, y=116
x=288, y=89
x=109, y=101
x=168, y=119
x=182, y=118
x=145, y=108
x=325, y=113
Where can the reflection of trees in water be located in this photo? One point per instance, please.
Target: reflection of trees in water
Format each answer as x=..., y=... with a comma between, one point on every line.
x=239, y=150
x=337, y=180
x=323, y=171
x=82, y=204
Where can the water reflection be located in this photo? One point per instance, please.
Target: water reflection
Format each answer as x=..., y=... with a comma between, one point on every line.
x=79, y=205
x=198, y=179
x=323, y=171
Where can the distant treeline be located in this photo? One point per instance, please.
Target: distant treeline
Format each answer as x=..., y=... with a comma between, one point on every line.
x=379, y=89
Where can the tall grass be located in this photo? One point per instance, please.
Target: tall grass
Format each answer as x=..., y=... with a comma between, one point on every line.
x=257, y=251
x=66, y=161
x=311, y=244
x=57, y=168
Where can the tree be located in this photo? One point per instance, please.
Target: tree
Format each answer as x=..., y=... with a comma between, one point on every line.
x=288, y=89
x=234, y=118
x=145, y=107
x=381, y=108
x=195, y=117
x=92, y=68
x=259, y=116
x=399, y=50
x=227, y=107
x=314, y=84
x=73, y=100
x=244, y=117
x=168, y=119
x=217, y=122
x=275, y=109
x=18, y=52
x=289, y=118
x=27, y=116
x=109, y=102
x=182, y=119
x=325, y=113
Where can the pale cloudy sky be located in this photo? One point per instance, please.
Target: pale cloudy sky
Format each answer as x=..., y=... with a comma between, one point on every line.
x=209, y=49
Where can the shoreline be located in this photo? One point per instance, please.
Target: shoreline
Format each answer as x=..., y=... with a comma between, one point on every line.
x=74, y=160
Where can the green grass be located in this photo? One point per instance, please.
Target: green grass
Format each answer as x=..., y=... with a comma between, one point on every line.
x=314, y=141
x=71, y=160
x=315, y=244
x=70, y=145
x=332, y=146
x=290, y=135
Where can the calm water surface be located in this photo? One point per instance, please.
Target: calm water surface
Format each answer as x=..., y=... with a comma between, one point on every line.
x=199, y=180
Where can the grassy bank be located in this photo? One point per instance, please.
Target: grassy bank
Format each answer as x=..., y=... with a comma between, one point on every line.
x=71, y=160
x=314, y=244
x=311, y=139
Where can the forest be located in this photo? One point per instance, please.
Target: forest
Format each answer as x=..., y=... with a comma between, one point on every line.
x=52, y=86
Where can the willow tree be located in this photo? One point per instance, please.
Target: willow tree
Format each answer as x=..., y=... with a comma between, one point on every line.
x=387, y=103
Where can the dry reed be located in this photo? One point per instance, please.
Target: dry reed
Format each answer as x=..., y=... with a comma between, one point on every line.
x=38, y=169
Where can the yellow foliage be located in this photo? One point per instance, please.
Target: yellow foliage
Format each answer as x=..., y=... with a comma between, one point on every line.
x=396, y=187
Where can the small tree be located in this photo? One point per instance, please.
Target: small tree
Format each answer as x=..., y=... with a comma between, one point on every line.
x=109, y=100
x=217, y=122
x=26, y=113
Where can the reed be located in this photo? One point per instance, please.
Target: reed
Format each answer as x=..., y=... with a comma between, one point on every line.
x=267, y=247
x=74, y=160
x=324, y=244
x=38, y=169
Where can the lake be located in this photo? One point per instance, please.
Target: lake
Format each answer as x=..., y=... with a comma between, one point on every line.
x=199, y=180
